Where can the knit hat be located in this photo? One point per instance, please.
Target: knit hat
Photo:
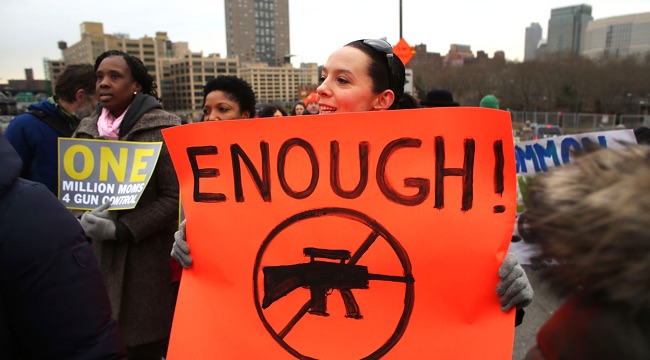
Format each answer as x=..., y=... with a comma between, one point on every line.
x=438, y=98
x=489, y=101
x=312, y=97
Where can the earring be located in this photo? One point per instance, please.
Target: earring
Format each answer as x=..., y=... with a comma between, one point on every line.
x=135, y=93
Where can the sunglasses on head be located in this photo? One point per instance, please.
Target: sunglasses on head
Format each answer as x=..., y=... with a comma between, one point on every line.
x=383, y=47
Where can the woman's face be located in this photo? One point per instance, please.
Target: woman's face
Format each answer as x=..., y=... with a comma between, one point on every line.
x=299, y=109
x=115, y=85
x=277, y=113
x=219, y=106
x=346, y=86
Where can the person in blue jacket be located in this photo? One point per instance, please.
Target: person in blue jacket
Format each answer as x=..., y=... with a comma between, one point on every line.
x=53, y=302
x=35, y=134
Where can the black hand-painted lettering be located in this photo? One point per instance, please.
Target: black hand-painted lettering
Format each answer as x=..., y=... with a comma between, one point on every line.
x=193, y=153
x=391, y=194
x=498, y=167
x=499, y=163
x=467, y=173
x=263, y=184
x=282, y=158
x=335, y=175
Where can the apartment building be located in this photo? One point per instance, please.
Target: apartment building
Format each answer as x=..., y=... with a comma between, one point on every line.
x=258, y=30
x=181, y=74
x=186, y=76
x=618, y=36
x=279, y=84
x=457, y=55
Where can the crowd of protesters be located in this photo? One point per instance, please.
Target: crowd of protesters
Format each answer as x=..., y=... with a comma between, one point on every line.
x=590, y=217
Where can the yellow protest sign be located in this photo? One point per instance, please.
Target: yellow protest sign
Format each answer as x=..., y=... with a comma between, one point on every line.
x=94, y=171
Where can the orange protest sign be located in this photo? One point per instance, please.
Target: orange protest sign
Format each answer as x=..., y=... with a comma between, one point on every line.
x=404, y=51
x=345, y=236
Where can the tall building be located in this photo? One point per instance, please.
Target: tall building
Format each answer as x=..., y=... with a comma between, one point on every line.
x=566, y=28
x=618, y=36
x=533, y=37
x=258, y=30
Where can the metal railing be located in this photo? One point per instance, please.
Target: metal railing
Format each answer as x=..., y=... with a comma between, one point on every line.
x=575, y=123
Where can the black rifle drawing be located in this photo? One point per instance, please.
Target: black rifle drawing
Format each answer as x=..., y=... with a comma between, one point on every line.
x=321, y=277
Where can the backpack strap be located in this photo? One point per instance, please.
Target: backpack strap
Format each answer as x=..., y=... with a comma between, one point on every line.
x=62, y=128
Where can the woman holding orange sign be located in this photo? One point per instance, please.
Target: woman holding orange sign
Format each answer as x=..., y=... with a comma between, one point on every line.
x=365, y=75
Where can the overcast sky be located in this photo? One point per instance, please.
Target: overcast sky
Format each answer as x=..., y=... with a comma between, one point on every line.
x=31, y=29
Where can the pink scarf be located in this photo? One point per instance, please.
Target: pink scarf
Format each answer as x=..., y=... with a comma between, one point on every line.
x=108, y=126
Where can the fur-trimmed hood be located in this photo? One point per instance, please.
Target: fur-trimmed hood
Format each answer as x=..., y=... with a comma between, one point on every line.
x=593, y=217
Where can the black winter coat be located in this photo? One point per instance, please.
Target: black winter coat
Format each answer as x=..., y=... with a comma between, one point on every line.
x=53, y=302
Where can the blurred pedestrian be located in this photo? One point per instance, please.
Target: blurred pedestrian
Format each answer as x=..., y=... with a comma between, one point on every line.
x=35, y=134
x=53, y=302
x=298, y=108
x=489, y=101
x=132, y=245
x=272, y=111
x=438, y=98
x=591, y=219
x=311, y=103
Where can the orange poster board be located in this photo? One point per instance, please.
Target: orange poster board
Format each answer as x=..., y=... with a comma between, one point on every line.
x=346, y=236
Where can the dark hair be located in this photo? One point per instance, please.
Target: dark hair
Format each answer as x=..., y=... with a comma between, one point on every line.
x=139, y=72
x=395, y=80
x=236, y=89
x=269, y=111
x=293, y=111
x=73, y=78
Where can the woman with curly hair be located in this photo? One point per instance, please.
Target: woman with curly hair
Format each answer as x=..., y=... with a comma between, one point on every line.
x=132, y=245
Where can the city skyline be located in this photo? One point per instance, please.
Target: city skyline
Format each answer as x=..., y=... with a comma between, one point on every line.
x=316, y=30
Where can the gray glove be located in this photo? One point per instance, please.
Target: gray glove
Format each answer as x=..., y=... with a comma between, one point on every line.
x=99, y=224
x=513, y=289
x=103, y=212
x=180, y=249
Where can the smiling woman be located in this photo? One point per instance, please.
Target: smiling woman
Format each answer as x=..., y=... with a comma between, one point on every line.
x=364, y=75
x=131, y=245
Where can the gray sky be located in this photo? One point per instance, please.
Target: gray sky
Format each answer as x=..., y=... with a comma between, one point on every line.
x=31, y=29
